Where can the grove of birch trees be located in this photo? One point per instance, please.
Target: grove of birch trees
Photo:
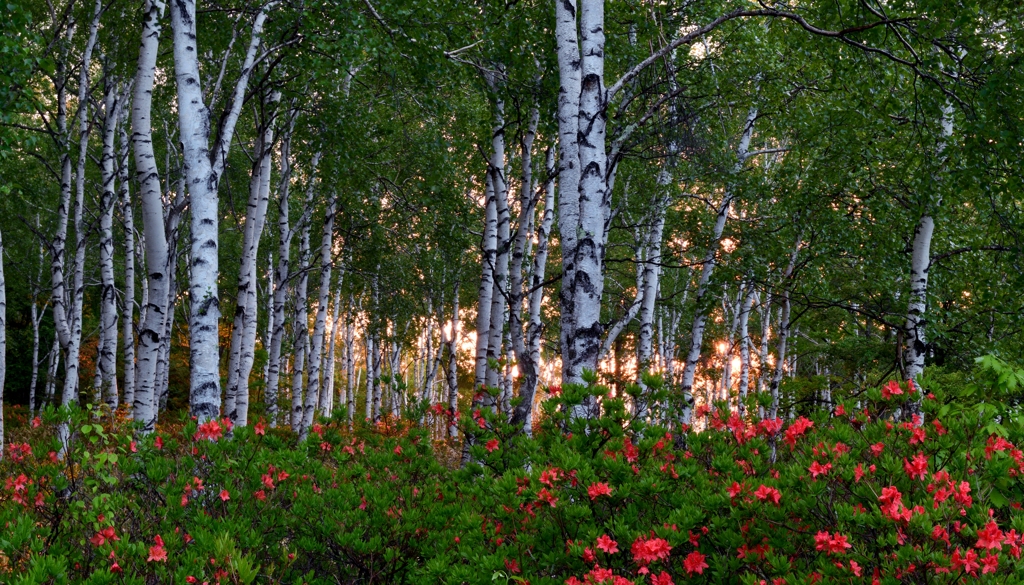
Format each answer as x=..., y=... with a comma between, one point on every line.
x=279, y=210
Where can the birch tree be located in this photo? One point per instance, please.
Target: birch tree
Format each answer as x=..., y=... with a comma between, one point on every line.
x=157, y=286
x=204, y=167
x=243, y=338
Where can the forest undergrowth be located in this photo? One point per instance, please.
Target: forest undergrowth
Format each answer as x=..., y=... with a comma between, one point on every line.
x=858, y=493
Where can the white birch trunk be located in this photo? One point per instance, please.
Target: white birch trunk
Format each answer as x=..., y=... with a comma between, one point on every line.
x=203, y=170
x=284, y=233
x=128, y=223
x=651, y=281
x=155, y=292
x=37, y=318
x=300, y=321
x=784, y=325
x=106, y=359
x=58, y=247
x=920, y=261
x=246, y=319
x=371, y=408
x=3, y=341
x=314, y=385
x=535, y=328
x=744, y=333
x=488, y=248
x=300, y=336
x=499, y=184
x=587, y=283
x=570, y=84
x=453, y=362
x=74, y=320
x=700, y=319
x=328, y=392
x=53, y=361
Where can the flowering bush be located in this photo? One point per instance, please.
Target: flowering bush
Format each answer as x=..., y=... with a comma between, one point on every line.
x=584, y=502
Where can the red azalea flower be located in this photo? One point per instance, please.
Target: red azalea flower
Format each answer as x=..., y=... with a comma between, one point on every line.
x=605, y=543
x=694, y=563
x=765, y=493
x=891, y=389
x=916, y=468
x=491, y=445
x=990, y=564
x=649, y=550
x=817, y=469
x=598, y=489
x=157, y=553
x=968, y=562
x=990, y=537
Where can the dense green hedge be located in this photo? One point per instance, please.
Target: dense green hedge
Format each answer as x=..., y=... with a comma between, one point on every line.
x=852, y=496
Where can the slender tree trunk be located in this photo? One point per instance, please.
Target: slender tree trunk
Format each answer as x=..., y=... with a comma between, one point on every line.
x=204, y=168
x=128, y=222
x=453, y=363
x=327, y=395
x=780, y=360
x=106, y=359
x=300, y=322
x=371, y=384
x=524, y=231
x=920, y=261
x=748, y=301
x=700, y=319
x=284, y=233
x=586, y=285
x=488, y=247
x=71, y=338
x=243, y=346
x=499, y=184
x=153, y=313
x=351, y=380
x=3, y=341
x=651, y=282
x=58, y=246
x=72, y=363
x=570, y=86
x=37, y=318
x=314, y=385
x=51, y=371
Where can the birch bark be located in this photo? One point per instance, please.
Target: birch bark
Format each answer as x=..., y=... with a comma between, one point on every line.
x=488, y=252
x=535, y=328
x=3, y=341
x=524, y=231
x=920, y=261
x=128, y=223
x=700, y=319
x=314, y=385
x=499, y=185
x=651, y=280
x=245, y=312
x=784, y=325
x=153, y=311
x=74, y=320
x=203, y=169
x=284, y=234
x=106, y=362
x=748, y=302
x=453, y=363
x=300, y=321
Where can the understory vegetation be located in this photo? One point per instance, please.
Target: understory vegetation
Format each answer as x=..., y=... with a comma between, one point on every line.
x=852, y=495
